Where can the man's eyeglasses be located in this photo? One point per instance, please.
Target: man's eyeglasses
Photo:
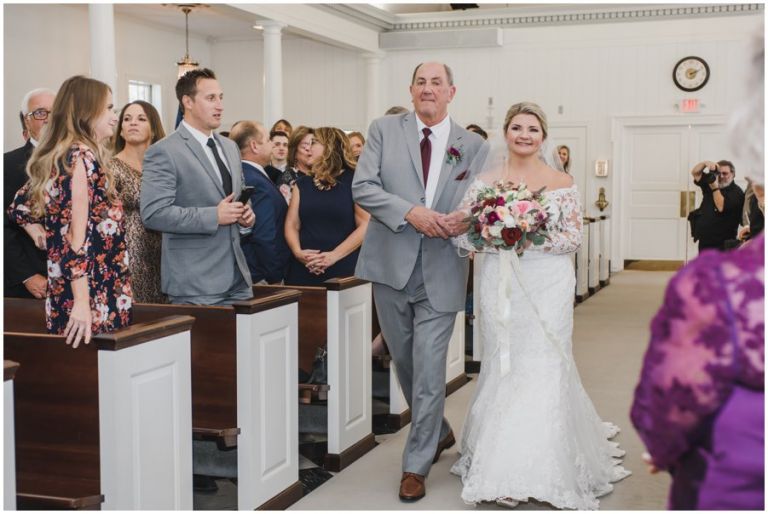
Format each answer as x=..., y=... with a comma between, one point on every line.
x=39, y=114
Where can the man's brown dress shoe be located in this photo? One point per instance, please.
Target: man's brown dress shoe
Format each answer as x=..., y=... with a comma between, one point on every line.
x=412, y=487
x=443, y=444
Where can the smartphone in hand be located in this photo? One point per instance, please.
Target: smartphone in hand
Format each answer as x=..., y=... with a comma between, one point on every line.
x=245, y=194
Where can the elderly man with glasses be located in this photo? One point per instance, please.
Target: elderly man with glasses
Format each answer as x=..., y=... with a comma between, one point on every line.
x=25, y=264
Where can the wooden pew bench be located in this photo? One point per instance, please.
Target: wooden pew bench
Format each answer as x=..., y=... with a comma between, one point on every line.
x=339, y=315
x=105, y=425
x=244, y=374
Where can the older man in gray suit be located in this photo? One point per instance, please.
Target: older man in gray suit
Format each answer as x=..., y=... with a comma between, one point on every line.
x=410, y=175
x=190, y=183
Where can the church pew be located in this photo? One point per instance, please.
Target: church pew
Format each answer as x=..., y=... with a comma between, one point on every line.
x=244, y=378
x=9, y=440
x=339, y=314
x=237, y=389
x=105, y=425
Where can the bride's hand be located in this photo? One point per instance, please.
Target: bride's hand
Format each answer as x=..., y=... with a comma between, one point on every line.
x=652, y=469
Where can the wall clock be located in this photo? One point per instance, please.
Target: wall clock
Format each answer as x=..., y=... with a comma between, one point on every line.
x=691, y=73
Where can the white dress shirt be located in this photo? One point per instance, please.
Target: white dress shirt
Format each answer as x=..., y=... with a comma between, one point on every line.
x=203, y=140
x=439, y=140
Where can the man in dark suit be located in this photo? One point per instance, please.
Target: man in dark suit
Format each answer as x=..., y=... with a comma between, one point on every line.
x=264, y=248
x=279, y=158
x=25, y=264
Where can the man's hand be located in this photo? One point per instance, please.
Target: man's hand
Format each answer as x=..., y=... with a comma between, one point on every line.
x=229, y=211
x=37, y=285
x=248, y=218
x=37, y=233
x=743, y=234
x=426, y=221
x=454, y=223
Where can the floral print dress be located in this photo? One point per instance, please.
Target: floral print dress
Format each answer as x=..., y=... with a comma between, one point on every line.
x=103, y=257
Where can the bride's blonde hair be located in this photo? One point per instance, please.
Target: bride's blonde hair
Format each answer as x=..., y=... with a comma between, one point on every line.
x=527, y=108
x=78, y=104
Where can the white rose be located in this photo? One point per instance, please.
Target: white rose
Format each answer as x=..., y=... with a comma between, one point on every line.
x=103, y=312
x=495, y=230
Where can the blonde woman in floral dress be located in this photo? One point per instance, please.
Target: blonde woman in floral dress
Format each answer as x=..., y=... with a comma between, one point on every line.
x=138, y=127
x=70, y=208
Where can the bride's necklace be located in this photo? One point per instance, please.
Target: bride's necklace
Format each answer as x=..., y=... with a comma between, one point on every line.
x=510, y=177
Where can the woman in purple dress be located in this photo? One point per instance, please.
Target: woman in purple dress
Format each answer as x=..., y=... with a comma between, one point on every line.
x=699, y=405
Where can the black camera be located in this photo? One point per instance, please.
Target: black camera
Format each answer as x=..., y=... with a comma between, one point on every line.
x=708, y=176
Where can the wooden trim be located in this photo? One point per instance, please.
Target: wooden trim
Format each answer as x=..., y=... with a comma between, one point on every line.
x=581, y=297
x=471, y=366
x=603, y=217
x=42, y=502
x=142, y=332
x=340, y=284
x=224, y=437
x=456, y=384
x=339, y=461
x=589, y=219
x=284, y=499
x=605, y=283
x=9, y=370
x=262, y=302
x=593, y=290
x=652, y=265
x=398, y=421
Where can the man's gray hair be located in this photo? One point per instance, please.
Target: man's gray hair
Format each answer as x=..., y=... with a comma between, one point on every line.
x=34, y=92
x=448, y=73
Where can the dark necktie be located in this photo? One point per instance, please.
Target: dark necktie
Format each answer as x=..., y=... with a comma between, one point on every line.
x=426, y=154
x=226, y=179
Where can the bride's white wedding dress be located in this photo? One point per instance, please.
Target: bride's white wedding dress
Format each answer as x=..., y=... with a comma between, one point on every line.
x=532, y=431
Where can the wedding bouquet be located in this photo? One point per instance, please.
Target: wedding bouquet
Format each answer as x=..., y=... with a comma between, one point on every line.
x=507, y=217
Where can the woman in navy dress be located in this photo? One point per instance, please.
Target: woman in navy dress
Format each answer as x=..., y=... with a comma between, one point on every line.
x=71, y=208
x=324, y=228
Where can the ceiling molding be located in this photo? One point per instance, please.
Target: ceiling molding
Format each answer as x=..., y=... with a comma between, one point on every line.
x=536, y=16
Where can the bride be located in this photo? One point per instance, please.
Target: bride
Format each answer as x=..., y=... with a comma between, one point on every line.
x=531, y=431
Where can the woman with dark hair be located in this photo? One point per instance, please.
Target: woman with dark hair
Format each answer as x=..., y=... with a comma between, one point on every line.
x=299, y=160
x=282, y=125
x=565, y=157
x=138, y=127
x=324, y=228
x=70, y=208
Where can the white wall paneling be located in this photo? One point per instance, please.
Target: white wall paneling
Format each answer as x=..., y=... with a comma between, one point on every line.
x=9, y=448
x=145, y=422
x=267, y=410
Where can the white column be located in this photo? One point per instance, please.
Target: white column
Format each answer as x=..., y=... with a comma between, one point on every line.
x=101, y=20
x=373, y=106
x=273, y=72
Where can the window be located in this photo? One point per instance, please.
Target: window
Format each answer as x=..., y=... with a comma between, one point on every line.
x=139, y=90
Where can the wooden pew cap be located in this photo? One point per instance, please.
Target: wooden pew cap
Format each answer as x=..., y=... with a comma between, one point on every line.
x=9, y=370
x=266, y=300
x=339, y=284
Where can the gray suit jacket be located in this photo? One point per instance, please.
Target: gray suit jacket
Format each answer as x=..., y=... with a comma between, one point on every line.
x=180, y=190
x=388, y=182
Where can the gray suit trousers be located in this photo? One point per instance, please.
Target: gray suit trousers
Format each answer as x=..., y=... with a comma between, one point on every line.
x=417, y=337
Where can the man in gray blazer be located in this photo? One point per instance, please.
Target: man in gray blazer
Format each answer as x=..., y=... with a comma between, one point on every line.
x=190, y=185
x=411, y=174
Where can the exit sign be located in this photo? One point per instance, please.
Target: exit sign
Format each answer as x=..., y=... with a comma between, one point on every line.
x=689, y=105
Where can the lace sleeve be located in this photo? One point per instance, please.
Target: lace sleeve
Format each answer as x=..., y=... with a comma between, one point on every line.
x=689, y=367
x=461, y=242
x=564, y=226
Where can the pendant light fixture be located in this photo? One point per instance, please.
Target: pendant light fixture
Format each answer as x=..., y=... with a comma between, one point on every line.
x=187, y=63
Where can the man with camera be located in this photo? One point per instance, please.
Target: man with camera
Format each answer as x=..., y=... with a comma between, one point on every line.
x=717, y=218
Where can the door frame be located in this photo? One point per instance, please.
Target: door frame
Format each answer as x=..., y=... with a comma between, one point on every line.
x=620, y=181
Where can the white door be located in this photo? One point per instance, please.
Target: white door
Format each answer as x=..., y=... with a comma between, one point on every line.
x=658, y=189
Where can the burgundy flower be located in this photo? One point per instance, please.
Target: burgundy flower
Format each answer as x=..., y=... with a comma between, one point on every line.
x=500, y=201
x=511, y=235
x=493, y=218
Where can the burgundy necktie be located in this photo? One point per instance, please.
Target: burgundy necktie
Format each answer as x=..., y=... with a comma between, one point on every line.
x=426, y=154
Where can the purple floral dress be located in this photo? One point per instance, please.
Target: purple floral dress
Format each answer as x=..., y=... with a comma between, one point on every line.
x=103, y=258
x=700, y=402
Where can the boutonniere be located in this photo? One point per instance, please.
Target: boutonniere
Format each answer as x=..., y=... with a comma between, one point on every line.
x=453, y=155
